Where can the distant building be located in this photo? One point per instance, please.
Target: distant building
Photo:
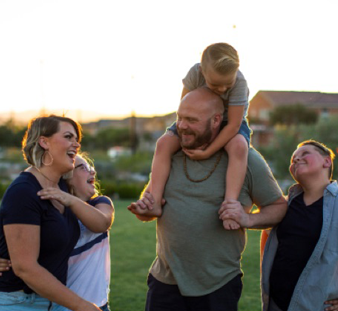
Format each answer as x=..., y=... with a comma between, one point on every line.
x=118, y=151
x=264, y=102
x=147, y=130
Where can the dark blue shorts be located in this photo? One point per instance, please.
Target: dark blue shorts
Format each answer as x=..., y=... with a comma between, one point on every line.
x=164, y=297
x=244, y=130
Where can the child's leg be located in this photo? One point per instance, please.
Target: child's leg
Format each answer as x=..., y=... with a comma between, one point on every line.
x=237, y=149
x=166, y=146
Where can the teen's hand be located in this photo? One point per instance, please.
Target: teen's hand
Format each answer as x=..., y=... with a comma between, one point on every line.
x=51, y=193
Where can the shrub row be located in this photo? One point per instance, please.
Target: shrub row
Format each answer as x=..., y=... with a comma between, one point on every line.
x=114, y=189
x=121, y=189
x=3, y=187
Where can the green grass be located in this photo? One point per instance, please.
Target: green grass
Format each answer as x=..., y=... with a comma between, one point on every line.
x=133, y=250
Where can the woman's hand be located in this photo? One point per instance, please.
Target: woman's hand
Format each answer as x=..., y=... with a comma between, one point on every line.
x=5, y=265
x=51, y=193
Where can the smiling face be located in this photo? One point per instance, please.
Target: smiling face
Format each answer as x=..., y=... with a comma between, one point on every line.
x=63, y=147
x=194, y=130
x=198, y=118
x=83, y=180
x=307, y=162
x=219, y=83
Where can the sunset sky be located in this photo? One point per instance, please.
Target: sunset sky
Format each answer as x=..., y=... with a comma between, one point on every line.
x=113, y=57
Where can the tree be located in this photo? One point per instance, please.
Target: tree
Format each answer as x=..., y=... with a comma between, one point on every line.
x=11, y=134
x=293, y=114
x=286, y=139
x=106, y=138
x=279, y=152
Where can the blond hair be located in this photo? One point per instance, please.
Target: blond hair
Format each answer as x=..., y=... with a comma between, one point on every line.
x=43, y=126
x=68, y=177
x=221, y=57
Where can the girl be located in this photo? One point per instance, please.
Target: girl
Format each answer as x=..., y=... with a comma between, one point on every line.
x=219, y=72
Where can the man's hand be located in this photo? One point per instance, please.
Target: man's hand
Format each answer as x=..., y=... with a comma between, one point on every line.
x=144, y=206
x=197, y=154
x=147, y=200
x=137, y=209
x=333, y=303
x=232, y=209
x=267, y=217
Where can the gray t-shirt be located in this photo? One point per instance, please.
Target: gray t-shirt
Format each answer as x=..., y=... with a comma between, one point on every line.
x=194, y=251
x=238, y=95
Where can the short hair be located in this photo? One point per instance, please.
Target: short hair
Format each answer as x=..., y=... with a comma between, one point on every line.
x=323, y=150
x=222, y=58
x=43, y=126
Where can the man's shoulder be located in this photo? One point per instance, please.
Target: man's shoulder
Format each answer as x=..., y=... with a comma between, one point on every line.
x=254, y=157
x=257, y=165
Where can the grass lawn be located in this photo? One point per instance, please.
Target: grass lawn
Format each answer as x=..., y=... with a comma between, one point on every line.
x=133, y=250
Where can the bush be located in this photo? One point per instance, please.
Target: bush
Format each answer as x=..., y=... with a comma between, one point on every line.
x=122, y=189
x=3, y=188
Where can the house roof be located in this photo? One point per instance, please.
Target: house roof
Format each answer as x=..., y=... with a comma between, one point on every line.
x=309, y=99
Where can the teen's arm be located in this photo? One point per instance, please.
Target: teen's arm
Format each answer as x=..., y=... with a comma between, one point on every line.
x=95, y=219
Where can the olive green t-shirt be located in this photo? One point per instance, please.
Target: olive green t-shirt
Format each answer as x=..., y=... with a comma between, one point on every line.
x=193, y=249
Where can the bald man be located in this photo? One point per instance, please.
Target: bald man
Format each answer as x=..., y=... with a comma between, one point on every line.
x=197, y=266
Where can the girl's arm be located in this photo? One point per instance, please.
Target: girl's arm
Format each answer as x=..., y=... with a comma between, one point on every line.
x=235, y=118
x=23, y=243
x=97, y=219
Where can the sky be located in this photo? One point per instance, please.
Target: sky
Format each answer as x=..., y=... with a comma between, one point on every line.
x=110, y=58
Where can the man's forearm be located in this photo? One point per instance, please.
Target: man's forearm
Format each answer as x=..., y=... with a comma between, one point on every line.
x=269, y=215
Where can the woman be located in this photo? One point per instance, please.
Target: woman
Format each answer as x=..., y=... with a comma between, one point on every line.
x=89, y=263
x=39, y=235
x=300, y=262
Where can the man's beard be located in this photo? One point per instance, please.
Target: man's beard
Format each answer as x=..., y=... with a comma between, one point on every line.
x=200, y=139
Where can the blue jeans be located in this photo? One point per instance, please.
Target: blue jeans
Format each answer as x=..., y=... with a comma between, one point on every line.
x=19, y=301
